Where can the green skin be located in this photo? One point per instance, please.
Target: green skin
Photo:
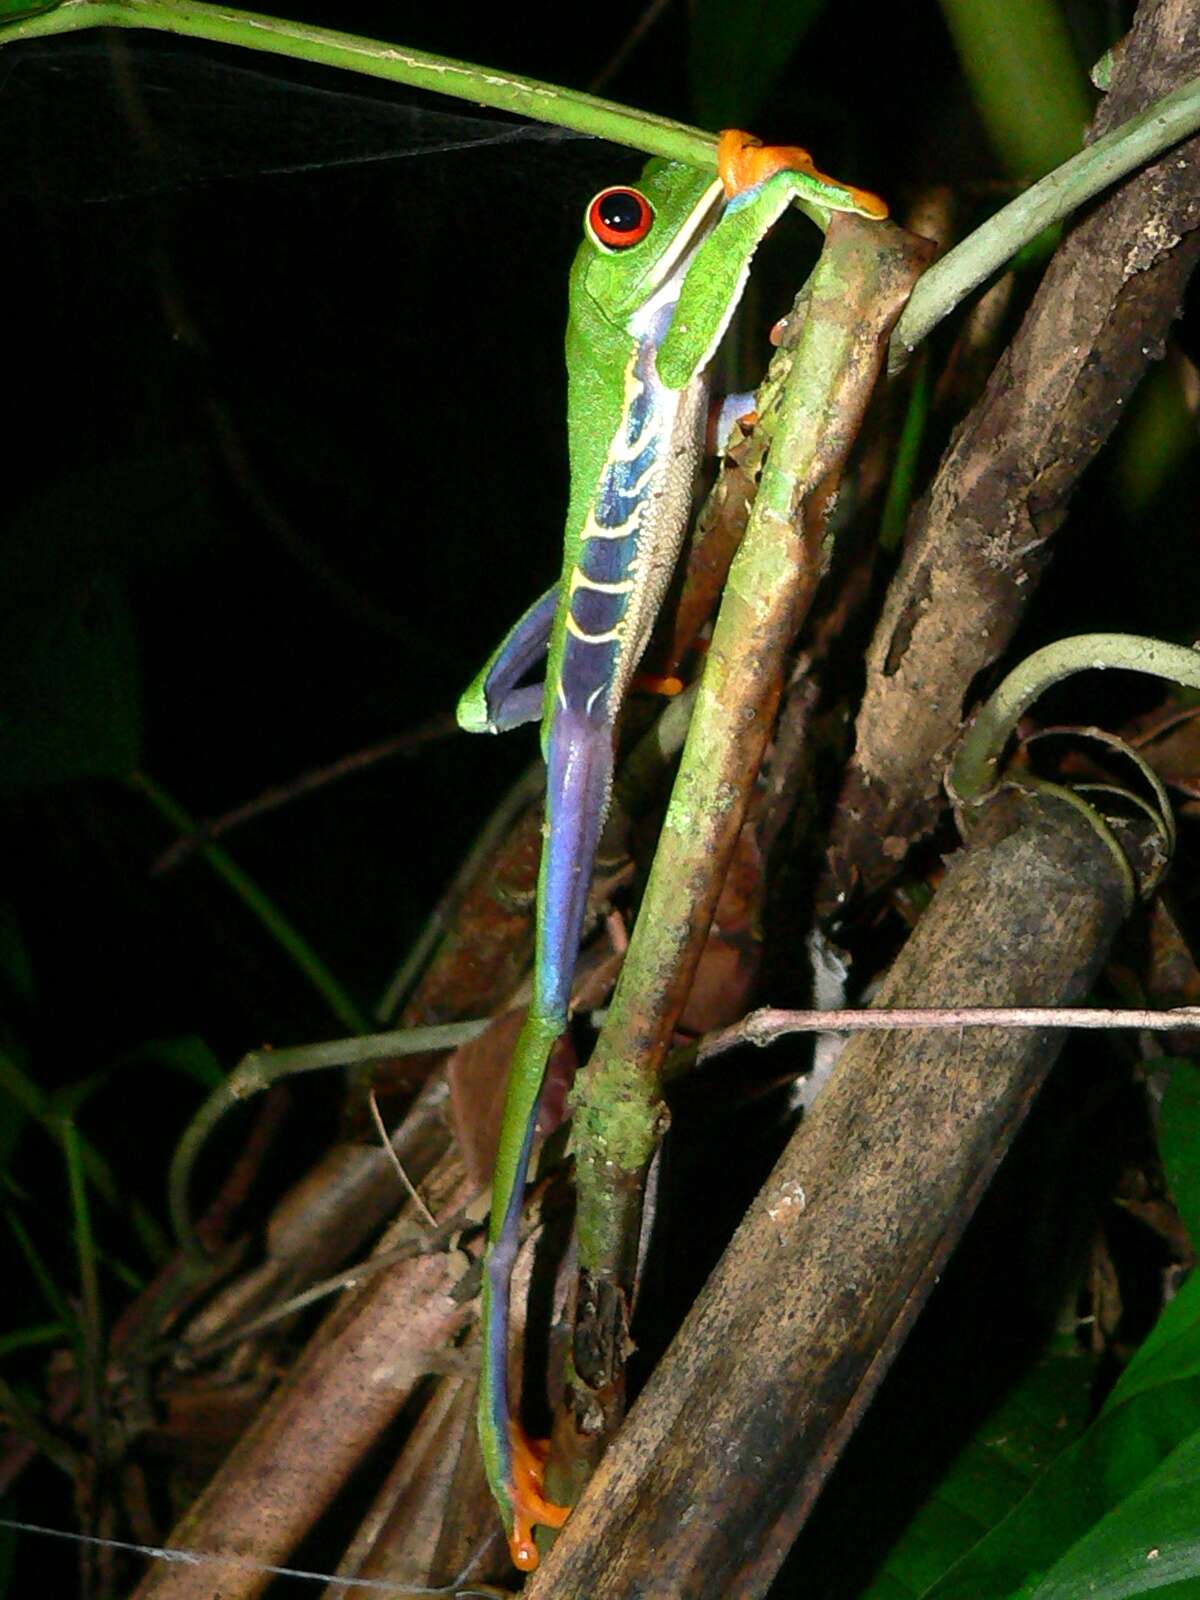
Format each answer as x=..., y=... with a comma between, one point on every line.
x=626, y=349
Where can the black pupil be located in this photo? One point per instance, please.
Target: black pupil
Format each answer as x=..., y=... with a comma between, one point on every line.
x=621, y=212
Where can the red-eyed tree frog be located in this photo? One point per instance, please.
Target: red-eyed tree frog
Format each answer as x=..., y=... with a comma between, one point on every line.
x=654, y=286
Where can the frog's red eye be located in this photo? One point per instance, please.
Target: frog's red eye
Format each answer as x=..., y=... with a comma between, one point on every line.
x=619, y=217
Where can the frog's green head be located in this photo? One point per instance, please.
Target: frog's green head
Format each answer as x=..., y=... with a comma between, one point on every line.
x=669, y=259
x=640, y=238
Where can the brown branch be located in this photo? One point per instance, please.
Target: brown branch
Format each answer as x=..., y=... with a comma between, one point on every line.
x=440, y=726
x=703, y=1491
x=319, y=1424
x=978, y=543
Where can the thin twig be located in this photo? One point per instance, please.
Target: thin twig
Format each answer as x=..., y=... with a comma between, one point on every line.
x=259, y=1069
x=388, y=1150
x=440, y=726
x=350, y=1278
x=764, y=1026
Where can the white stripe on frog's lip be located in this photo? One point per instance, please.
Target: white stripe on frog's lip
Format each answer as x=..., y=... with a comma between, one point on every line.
x=664, y=268
x=659, y=291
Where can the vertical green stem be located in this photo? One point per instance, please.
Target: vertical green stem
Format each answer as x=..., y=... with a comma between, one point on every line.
x=85, y=1243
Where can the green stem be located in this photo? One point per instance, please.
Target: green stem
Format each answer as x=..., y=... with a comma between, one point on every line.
x=17, y=1083
x=259, y=1069
x=944, y=285
x=974, y=771
x=376, y=58
x=44, y=1278
x=1057, y=195
x=252, y=897
x=21, y=1420
x=85, y=1245
x=899, y=498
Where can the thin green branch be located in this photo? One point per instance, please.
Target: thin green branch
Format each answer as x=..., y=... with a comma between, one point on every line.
x=376, y=58
x=1056, y=196
x=974, y=771
x=37, y=1104
x=30, y=1338
x=85, y=1243
x=259, y=1069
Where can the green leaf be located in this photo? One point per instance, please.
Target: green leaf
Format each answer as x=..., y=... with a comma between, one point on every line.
x=735, y=59
x=1150, y=1543
x=1030, y=88
x=1179, y=1140
x=1044, y=1412
x=1107, y=1481
x=70, y=683
x=1169, y=1353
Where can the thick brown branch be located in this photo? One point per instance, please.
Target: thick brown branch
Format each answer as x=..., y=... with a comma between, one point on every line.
x=980, y=540
x=705, y=1488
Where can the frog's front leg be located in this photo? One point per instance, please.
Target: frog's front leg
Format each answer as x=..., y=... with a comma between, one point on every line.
x=496, y=700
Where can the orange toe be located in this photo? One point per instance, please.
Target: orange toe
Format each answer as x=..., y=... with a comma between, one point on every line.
x=652, y=683
x=529, y=1504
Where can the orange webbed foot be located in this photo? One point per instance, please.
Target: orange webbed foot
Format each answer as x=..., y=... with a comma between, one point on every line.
x=529, y=1505
x=744, y=161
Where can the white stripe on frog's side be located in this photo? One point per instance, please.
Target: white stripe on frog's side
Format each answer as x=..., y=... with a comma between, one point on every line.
x=624, y=449
x=577, y=632
x=580, y=580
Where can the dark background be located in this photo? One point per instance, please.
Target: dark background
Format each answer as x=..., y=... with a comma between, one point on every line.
x=284, y=456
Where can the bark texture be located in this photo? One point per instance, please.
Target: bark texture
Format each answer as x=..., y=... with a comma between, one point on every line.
x=723, y=1455
x=979, y=541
